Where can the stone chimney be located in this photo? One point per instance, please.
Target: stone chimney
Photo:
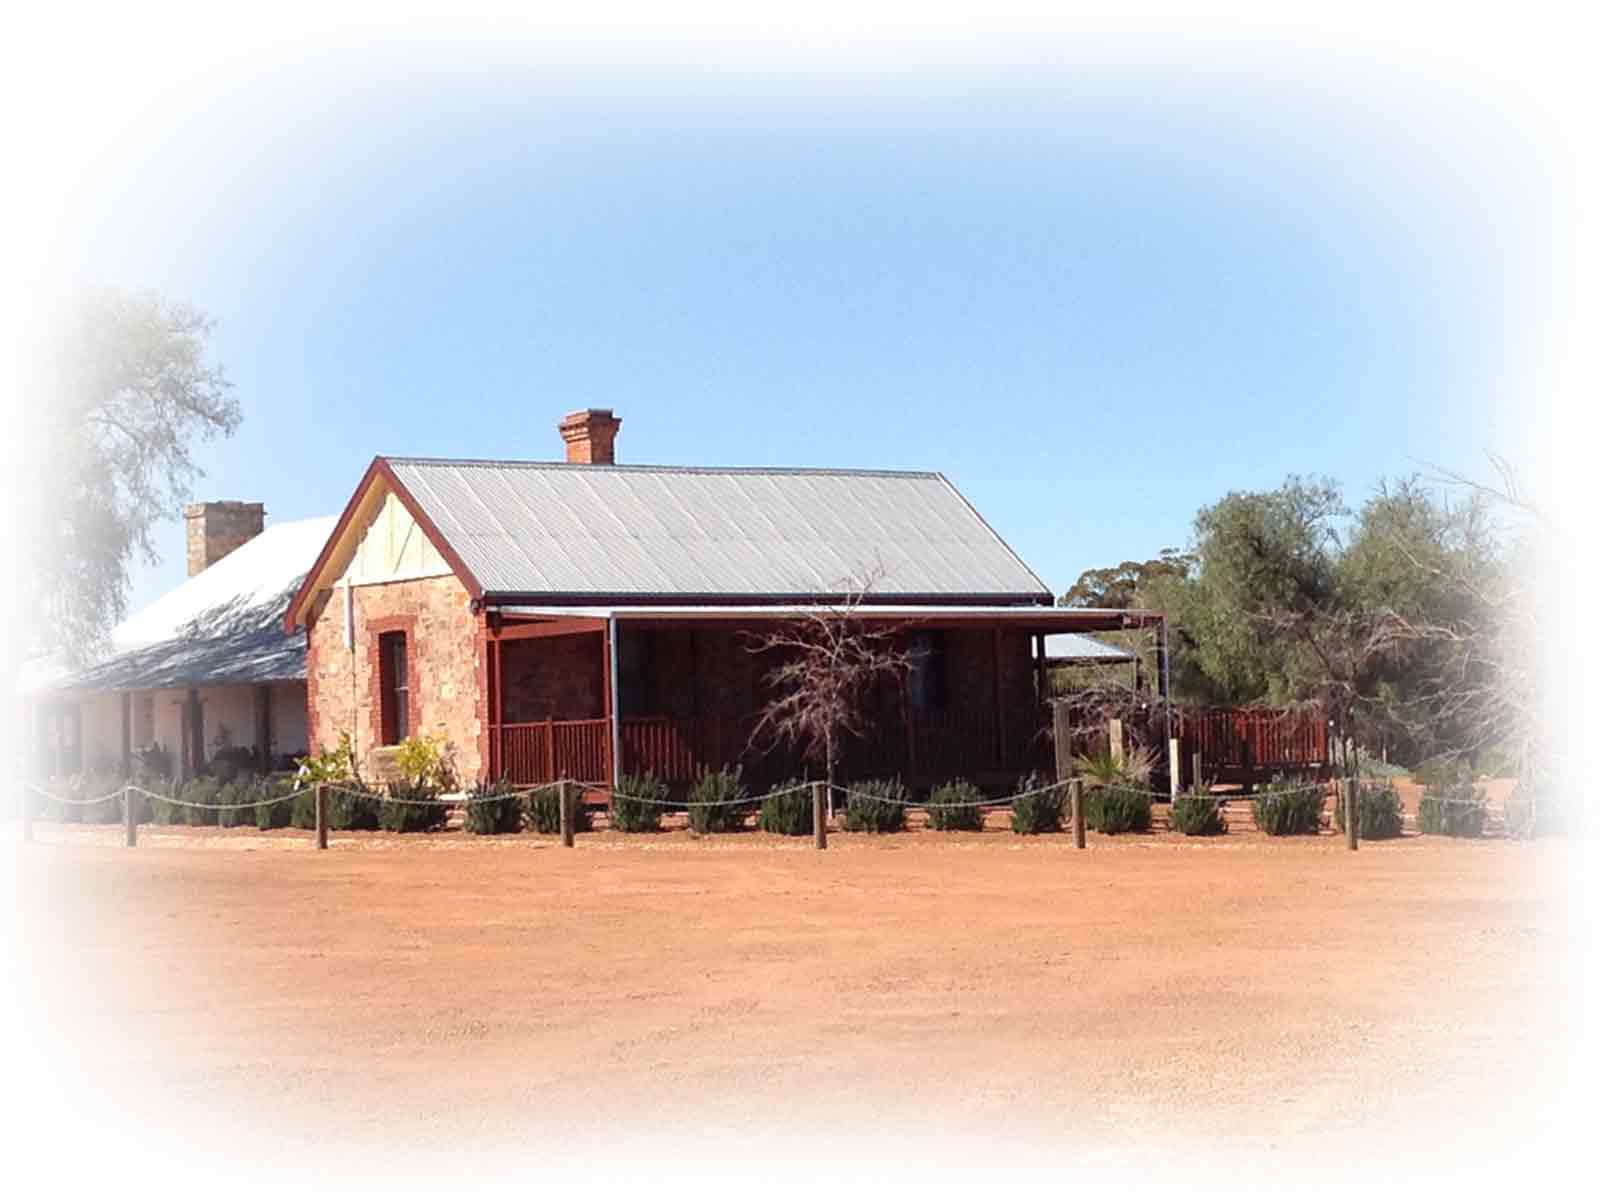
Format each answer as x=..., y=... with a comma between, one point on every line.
x=591, y=435
x=219, y=527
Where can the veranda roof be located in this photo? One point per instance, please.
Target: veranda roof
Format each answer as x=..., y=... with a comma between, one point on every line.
x=222, y=626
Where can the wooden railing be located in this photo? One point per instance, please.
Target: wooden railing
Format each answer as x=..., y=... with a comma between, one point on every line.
x=926, y=746
x=1255, y=740
x=539, y=751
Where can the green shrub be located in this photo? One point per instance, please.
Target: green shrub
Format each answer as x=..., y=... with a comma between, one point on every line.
x=1283, y=808
x=876, y=806
x=637, y=803
x=277, y=813
x=353, y=806
x=1116, y=809
x=955, y=805
x=1198, y=814
x=162, y=809
x=715, y=802
x=787, y=809
x=201, y=793
x=413, y=807
x=1455, y=810
x=426, y=761
x=1445, y=771
x=1041, y=812
x=303, y=810
x=1381, y=815
x=231, y=763
x=544, y=811
x=492, y=808
x=236, y=793
x=93, y=786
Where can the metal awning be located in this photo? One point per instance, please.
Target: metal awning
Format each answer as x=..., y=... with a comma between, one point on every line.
x=1038, y=619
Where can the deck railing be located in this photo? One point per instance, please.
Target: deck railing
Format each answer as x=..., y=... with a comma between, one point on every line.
x=924, y=746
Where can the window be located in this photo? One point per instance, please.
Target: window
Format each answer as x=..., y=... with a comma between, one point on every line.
x=394, y=690
x=926, y=681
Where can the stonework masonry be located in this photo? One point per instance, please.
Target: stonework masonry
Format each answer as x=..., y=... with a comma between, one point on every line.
x=216, y=528
x=444, y=645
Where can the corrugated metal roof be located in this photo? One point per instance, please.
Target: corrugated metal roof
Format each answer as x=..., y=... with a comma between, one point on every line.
x=222, y=626
x=1087, y=649
x=551, y=529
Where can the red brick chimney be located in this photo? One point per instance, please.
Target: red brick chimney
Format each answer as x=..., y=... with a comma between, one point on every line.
x=219, y=527
x=591, y=435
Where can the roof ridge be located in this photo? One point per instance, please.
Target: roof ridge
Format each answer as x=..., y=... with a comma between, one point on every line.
x=414, y=460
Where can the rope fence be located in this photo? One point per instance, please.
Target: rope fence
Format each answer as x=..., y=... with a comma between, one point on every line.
x=567, y=792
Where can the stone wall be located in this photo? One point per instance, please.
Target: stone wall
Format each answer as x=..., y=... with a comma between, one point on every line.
x=444, y=645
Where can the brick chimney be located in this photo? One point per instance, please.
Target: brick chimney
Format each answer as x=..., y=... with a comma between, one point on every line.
x=591, y=435
x=219, y=527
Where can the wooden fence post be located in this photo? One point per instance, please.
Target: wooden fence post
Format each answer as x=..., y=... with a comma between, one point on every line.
x=1114, y=732
x=1061, y=734
x=129, y=817
x=27, y=814
x=1197, y=775
x=568, y=813
x=1175, y=768
x=819, y=821
x=1352, y=812
x=322, y=817
x=1075, y=796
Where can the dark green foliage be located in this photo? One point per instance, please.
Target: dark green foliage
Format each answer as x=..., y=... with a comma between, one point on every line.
x=202, y=793
x=787, y=809
x=544, y=811
x=352, y=806
x=413, y=808
x=1454, y=810
x=275, y=815
x=713, y=806
x=1443, y=771
x=236, y=793
x=303, y=814
x=162, y=810
x=1198, y=814
x=1380, y=810
x=1042, y=812
x=152, y=763
x=92, y=786
x=230, y=763
x=491, y=808
x=637, y=803
x=968, y=816
x=1119, y=808
x=876, y=806
x=1283, y=808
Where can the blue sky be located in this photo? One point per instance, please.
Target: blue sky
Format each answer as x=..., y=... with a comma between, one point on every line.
x=1096, y=299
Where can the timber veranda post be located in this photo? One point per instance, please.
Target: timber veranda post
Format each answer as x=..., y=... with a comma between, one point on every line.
x=566, y=801
x=1075, y=796
x=1352, y=812
x=819, y=815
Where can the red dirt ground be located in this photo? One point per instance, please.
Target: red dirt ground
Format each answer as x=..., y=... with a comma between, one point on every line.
x=961, y=995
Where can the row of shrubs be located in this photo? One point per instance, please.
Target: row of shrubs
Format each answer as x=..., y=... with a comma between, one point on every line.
x=719, y=802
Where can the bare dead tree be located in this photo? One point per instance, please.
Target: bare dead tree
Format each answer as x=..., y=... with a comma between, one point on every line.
x=829, y=660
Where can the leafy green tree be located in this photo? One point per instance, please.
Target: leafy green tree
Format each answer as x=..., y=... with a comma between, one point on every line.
x=124, y=391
